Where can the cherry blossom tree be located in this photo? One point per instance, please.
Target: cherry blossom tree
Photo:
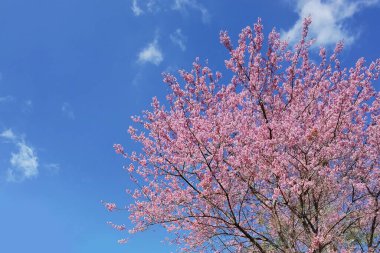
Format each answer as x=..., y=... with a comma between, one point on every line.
x=282, y=158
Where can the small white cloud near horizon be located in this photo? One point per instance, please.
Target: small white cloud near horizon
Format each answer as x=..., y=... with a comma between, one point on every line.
x=151, y=54
x=67, y=110
x=24, y=162
x=136, y=8
x=328, y=20
x=178, y=39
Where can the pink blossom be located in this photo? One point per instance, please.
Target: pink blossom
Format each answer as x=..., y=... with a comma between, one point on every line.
x=118, y=149
x=117, y=227
x=110, y=206
x=284, y=157
x=122, y=241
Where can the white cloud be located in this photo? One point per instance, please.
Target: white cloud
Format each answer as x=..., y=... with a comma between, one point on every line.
x=178, y=39
x=8, y=134
x=184, y=5
x=328, y=20
x=24, y=162
x=151, y=54
x=67, y=110
x=154, y=6
x=136, y=8
x=151, y=6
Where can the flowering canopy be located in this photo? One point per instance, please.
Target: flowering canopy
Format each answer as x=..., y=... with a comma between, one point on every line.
x=284, y=158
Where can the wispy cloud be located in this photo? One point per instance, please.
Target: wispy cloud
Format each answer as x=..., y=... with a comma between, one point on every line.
x=29, y=103
x=154, y=6
x=24, y=162
x=67, y=110
x=53, y=168
x=179, y=39
x=151, y=54
x=8, y=134
x=142, y=7
x=27, y=106
x=136, y=8
x=137, y=79
x=6, y=99
x=184, y=5
x=329, y=17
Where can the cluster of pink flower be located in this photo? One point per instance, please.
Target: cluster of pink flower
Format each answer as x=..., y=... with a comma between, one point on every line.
x=118, y=227
x=122, y=241
x=110, y=206
x=118, y=148
x=283, y=158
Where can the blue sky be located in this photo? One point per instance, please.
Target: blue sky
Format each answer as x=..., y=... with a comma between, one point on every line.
x=73, y=72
